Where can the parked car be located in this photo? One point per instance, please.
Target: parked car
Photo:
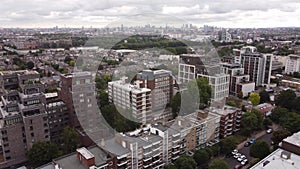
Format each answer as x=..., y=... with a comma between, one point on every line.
x=252, y=141
x=244, y=162
x=269, y=131
x=247, y=144
x=234, y=152
x=239, y=166
x=237, y=155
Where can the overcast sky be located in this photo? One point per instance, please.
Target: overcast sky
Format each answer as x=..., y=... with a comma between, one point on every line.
x=100, y=13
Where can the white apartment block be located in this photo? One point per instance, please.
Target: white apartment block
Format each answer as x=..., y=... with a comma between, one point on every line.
x=128, y=96
x=186, y=73
x=187, y=133
x=292, y=64
x=219, y=85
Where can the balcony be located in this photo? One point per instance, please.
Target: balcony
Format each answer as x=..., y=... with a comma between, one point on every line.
x=156, y=161
x=157, y=153
x=147, y=165
x=175, y=158
x=176, y=152
x=122, y=163
x=175, y=141
x=176, y=146
x=147, y=158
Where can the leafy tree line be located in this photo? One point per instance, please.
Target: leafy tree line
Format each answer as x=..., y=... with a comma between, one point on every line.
x=44, y=152
x=251, y=121
x=288, y=99
x=138, y=42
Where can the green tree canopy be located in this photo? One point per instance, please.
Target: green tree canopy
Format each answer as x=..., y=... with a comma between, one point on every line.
x=254, y=98
x=70, y=139
x=218, y=164
x=264, y=96
x=185, y=162
x=201, y=157
x=42, y=153
x=279, y=135
x=259, y=149
x=285, y=99
x=228, y=144
x=30, y=65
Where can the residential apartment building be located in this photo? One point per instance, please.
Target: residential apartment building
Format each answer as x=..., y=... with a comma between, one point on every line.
x=133, y=97
x=219, y=85
x=257, y=65
x=160, y=82
x=78, y=92
x=58, y=116
x=239, y=82
x=24, y=120
x=187, y=133
x=193, y=66
x=230, y=119
x=292, y=64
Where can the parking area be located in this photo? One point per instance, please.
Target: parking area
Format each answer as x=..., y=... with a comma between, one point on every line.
x=245, y=151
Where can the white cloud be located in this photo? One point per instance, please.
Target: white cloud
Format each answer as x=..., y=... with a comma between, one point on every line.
x=226, y=13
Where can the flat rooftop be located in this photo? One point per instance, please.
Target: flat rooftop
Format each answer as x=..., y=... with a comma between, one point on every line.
x=21, y=72
x=225, y=111
x=278, y=160
x=293, y=139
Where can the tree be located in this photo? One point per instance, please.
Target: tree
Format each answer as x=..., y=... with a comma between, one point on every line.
x=185, y=162
x=249, y=120
x=72, y=63
x=42, y=153
x=259, y=116
x=264, y=96
x=103, y=98
x=70, y=139
x=259, y=149
x=201, y=157
x=267, y=122
x=228, y=144
x=285, y=99
x=67, y=59
x=175, y=104
x=278, y=114
x=218, y=164
x=279, y=135
x=30, y=65
x=254, y=98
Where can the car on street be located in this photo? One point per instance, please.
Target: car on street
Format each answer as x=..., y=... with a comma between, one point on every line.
x=252, y=141
x=269, y=131
x=247, y=144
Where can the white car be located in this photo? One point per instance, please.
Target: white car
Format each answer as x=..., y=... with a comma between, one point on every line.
x=244, y=162
x=269, y=131
x=237, y=155
x=241, y=158
x=234, y=152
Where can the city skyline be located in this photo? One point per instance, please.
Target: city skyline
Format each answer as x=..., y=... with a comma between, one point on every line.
x=228, y=14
